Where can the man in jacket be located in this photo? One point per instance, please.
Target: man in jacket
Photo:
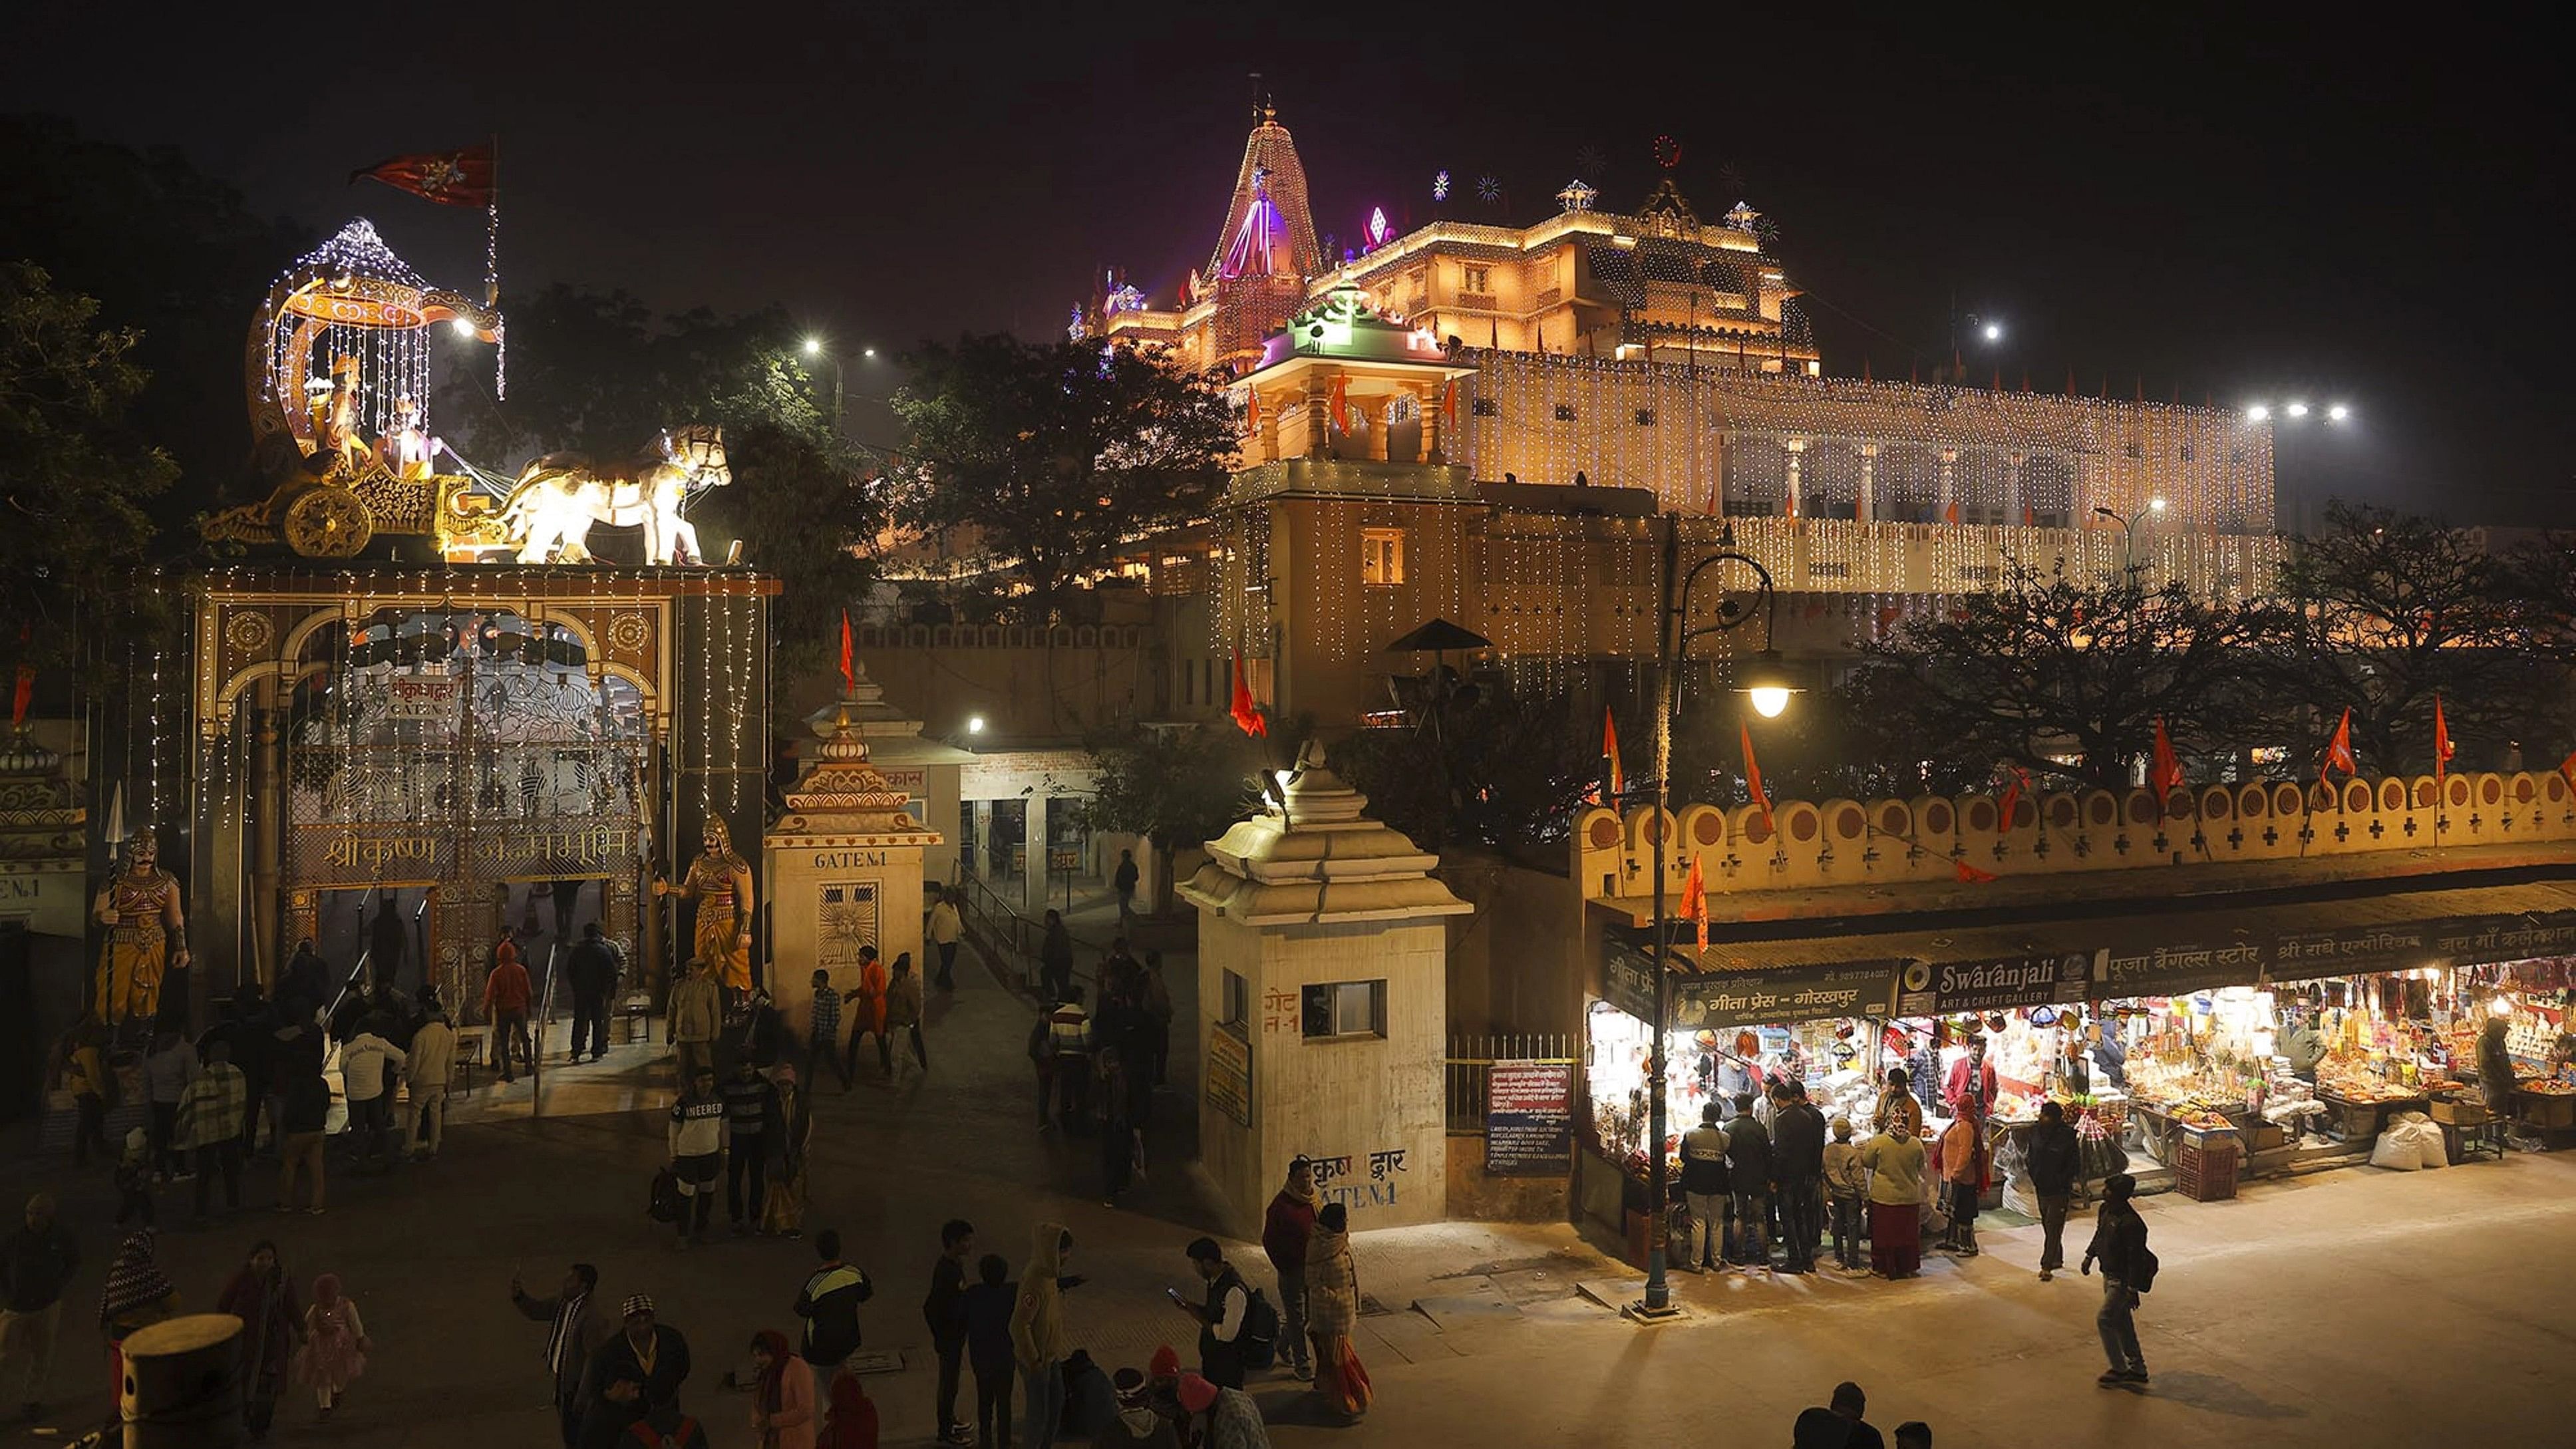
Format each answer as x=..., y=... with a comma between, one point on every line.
x=2120, y=1245
x=428, y=1065
x=1284, y=1231
x=1221, y=1317
x=1039, y=1341
x=697, y=1014
x=593, y=972
x=1704, y=1189
x=368, y=1063
x=1963, y=1171
x=751, y=1107
x=1797, y=1173
x=829, y=1304
x=2054, y=1159
x=1748, y=1172
x=211, y=1115
x=947, y=927
x=944, y=1312
x=36, y=1265
x=577, y=1326
x=637, y=1373
x=697, y=1146
x=506, y=994
x=250, y=1030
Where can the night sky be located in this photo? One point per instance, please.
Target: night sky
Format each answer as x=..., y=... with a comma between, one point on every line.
x=2307, y=205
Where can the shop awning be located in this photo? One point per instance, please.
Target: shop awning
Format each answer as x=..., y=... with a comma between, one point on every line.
x=2162, y=952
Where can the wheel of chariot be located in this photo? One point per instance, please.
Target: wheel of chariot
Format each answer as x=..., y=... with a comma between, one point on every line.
x=328, y=523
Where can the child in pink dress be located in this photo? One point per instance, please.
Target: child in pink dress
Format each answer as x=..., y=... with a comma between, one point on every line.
x=335, y=1344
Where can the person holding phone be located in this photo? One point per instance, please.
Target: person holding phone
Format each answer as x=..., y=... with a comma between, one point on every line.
x=1221, y=1317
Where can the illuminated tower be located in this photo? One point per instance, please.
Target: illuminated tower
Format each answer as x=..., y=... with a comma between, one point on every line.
x=1266, y=251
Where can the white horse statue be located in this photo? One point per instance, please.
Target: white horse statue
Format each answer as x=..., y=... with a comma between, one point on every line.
x=558, y=497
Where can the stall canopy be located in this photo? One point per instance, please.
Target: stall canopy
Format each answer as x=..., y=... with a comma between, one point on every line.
x=2153, y=953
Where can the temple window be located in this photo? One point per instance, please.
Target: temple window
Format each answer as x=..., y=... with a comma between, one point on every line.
x=1381, y=555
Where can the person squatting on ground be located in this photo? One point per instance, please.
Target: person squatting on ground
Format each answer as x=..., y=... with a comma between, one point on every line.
x=697, y=1147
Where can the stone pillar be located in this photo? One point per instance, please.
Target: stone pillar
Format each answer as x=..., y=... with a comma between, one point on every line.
x=1790, y=498
x=1319, y=417
x=1868, y=482
x=264, y=817
x=1033, y=854
x=1327, y=932
x=1269, y=431
x=1380, y=418
x=982, y=864
x=1432, y=441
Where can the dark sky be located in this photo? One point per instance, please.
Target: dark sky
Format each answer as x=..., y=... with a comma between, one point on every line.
x=2310, y=204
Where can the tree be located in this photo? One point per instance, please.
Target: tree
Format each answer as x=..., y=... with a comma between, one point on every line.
x=75, y=474
x=2384, y=610
x=2044, y=666
x=1054, y=454
x=1498, y=771
x=603, y=374
x=1175, y=787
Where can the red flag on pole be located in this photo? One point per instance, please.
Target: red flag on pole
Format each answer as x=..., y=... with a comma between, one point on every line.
x=849, y=665
x=1950, y=512
x=2339, y=754
x=450, y=178
x=2012, y=796
x=1753, y=775
x=1610, y=747
x=2166, y=775
x=1247, y=715
x=19, y=698
x=1695, y=901
x=1339, y=401
x=2442, y=749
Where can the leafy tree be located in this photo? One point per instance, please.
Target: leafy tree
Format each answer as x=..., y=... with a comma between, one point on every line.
x=1852, y=739
x=602, y=373
x=75, y=473
x=2045, y=665
x=1054, y=454
x=1499, y=771
x=2382, y=611
x=1175, y=787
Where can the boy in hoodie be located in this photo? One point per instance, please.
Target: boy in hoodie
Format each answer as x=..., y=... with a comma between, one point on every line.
x=1038, y=1339
x=1845, y=1181
x=988, y=1307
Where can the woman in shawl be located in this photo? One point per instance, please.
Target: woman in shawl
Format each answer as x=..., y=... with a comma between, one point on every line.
x=261, y=1296
x=783, y=1211
x=852, y=1423
x=782, y=1394
x=1333, y=1308
x=137, y=1294
x=335, y=1344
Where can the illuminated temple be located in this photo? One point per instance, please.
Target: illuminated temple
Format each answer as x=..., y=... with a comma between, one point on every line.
x=1479, y=423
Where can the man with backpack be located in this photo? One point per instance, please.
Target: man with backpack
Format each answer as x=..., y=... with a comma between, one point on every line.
x=1238, y=1329
x=2128, y=1269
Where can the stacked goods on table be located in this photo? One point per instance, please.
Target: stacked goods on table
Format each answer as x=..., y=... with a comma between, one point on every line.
x=2548, y=1102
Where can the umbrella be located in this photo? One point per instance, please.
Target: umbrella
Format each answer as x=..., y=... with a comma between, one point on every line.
x=1439, y=637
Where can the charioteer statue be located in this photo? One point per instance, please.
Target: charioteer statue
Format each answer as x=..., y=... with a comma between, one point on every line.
x=147, y=933
x=721, y=883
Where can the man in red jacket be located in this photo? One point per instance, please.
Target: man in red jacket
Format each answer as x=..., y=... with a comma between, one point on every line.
x=505, y=1001
x=1284, y=1231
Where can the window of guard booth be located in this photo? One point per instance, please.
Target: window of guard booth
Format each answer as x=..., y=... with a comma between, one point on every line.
x=1381, y=556
x=1237, y=1005
x=1340, y=1009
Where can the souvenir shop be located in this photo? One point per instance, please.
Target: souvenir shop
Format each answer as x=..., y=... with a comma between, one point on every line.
x=2214, y=1064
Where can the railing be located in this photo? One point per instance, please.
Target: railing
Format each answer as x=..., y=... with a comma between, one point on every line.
x=1008, y=938
x=1470, y=1065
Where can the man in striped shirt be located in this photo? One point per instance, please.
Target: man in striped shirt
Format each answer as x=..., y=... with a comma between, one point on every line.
x=823, y=1037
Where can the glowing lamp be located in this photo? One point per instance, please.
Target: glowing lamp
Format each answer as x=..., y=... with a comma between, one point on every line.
x=813, y=347
x=462, y=328
x=2258, y=412
x=2296, y=410
x=1994, y=332
x=974, y=724
x=2338, y=413
x=1768, y=684
x=2155, y=505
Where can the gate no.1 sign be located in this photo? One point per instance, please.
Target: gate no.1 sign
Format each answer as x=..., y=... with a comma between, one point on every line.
x=1529, y=1118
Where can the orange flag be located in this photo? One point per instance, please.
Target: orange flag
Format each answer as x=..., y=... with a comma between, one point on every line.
x=1950, y=513
x=1753, y=777
x=1970, y=875
x=849, y=668
x=2442, y=750
x=1610, y=747
x=2567, y=770
x=2166, y=774
x=2339, y=754
x=1247, y=715
x=2012, y=797
x=1695, y=901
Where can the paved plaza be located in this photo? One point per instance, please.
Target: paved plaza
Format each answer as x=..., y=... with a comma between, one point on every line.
x=2350, y=1308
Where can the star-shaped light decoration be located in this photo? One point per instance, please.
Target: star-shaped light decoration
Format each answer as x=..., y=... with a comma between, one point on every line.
x=1576, y=196
x=1440, y=186
x=1741, y=217
x=1488, y=190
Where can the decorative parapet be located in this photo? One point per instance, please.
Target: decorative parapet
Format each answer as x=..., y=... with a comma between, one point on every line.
x=42, y=823
x=1940, y=838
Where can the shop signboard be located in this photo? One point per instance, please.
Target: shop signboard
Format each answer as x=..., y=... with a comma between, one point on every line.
x=1529, y=1119
x=1628, y=982
x=2176, y=969
x=1229, y=1074
x=1998, y=984
x=2358, y=951
x=1780, y=997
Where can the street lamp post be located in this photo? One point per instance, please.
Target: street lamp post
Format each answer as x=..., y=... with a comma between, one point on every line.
x=2296, y=414
x=2129, y=532
x=814, y=348
x=1769, y=688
